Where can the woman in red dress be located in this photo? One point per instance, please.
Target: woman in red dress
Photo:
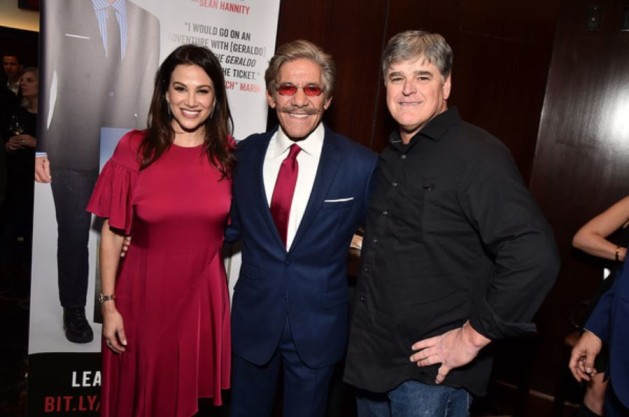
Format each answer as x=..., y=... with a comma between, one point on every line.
x=166, y=335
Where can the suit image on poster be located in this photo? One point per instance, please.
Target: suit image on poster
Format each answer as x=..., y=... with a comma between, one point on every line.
x=99, y=59
x=85, y=88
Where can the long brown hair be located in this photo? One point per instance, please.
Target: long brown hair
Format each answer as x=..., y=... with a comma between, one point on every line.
x=218, y=127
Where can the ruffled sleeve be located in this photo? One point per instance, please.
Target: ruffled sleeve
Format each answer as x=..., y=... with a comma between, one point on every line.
x=113, y=194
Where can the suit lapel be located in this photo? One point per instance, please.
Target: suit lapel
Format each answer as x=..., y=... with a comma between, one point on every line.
x=326, y=173
x=256, y=174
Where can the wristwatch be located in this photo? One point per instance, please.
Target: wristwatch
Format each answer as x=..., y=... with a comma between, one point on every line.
x=102, y=298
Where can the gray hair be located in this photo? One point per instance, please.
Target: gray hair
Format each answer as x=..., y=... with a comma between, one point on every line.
x=301, y=49
x=413, y=44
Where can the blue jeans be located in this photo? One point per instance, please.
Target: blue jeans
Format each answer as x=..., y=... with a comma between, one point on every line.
x=414, y=399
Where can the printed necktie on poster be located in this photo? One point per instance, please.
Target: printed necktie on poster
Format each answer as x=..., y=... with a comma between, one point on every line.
x=113, y=35
x=283, y=192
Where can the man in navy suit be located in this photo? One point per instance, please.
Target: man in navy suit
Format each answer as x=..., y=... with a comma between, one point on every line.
x=289, y=314
x=100, y=59
x=608, y=324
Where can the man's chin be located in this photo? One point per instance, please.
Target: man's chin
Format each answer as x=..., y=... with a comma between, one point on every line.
x=298, y=133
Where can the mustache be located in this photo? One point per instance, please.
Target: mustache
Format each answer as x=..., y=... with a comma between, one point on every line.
x=301, y=110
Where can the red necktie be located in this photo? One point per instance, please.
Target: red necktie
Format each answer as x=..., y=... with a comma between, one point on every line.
x=284, y=190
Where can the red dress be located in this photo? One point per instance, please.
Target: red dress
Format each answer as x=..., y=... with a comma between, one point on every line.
x=171, y=288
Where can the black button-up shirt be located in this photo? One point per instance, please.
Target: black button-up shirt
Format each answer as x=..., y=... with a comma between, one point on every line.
x=452, y=235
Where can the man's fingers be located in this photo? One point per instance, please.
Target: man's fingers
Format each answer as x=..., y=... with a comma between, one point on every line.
x=588, y=363
x=580, y=370
x=442, y=373
x=418, y=356
x=426, y=343
x=576, y=372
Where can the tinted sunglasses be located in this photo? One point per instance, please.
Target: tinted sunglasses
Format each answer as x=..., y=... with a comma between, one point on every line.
x=311, y=90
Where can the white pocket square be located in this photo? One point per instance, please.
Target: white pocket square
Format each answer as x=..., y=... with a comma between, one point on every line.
x=339, y=200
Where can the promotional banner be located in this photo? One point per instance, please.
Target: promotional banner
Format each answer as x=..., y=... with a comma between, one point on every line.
x=88, y=100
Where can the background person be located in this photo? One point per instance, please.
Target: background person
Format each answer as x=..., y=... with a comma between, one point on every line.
x=606, y=324
x=12, y=71
x=17, y=230
x=166, y=338
x=8, y=105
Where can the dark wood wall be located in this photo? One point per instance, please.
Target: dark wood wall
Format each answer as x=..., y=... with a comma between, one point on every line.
x=529, y=73
x=583, y=146
x=501, y=58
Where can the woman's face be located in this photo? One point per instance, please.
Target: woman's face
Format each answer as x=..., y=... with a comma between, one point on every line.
x=29, y=84
x=191, y=98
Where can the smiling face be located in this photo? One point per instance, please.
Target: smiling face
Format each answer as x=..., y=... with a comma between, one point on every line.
x=299, y=114
x=416, y=92
x=191, y=98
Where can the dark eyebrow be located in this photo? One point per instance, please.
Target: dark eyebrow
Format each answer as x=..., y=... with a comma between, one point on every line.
x=184, y=85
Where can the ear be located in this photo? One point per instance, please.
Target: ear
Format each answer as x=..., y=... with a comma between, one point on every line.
x=447, y=86
x=270, y=99
x=327, y=103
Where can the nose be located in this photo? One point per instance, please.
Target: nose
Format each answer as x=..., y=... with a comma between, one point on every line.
x=409, y=87
x=300, y=98
x=192, y=100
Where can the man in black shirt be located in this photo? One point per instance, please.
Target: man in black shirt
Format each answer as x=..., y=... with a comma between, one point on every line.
x=456, y=252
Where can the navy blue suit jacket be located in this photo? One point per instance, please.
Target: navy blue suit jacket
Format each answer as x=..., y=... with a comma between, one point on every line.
x=609, y=321
x=307, y=283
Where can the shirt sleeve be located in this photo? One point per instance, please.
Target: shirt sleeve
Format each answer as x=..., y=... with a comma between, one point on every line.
x=517, y=237
x=112, y=197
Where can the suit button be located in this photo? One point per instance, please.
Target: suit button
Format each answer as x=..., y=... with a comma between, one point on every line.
x=362, y=298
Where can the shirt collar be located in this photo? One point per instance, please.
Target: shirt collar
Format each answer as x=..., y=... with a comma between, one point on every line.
x=311, y=145
x=104, y=4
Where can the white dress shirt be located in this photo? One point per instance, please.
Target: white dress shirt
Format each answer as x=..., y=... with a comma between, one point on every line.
x=308, y=161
